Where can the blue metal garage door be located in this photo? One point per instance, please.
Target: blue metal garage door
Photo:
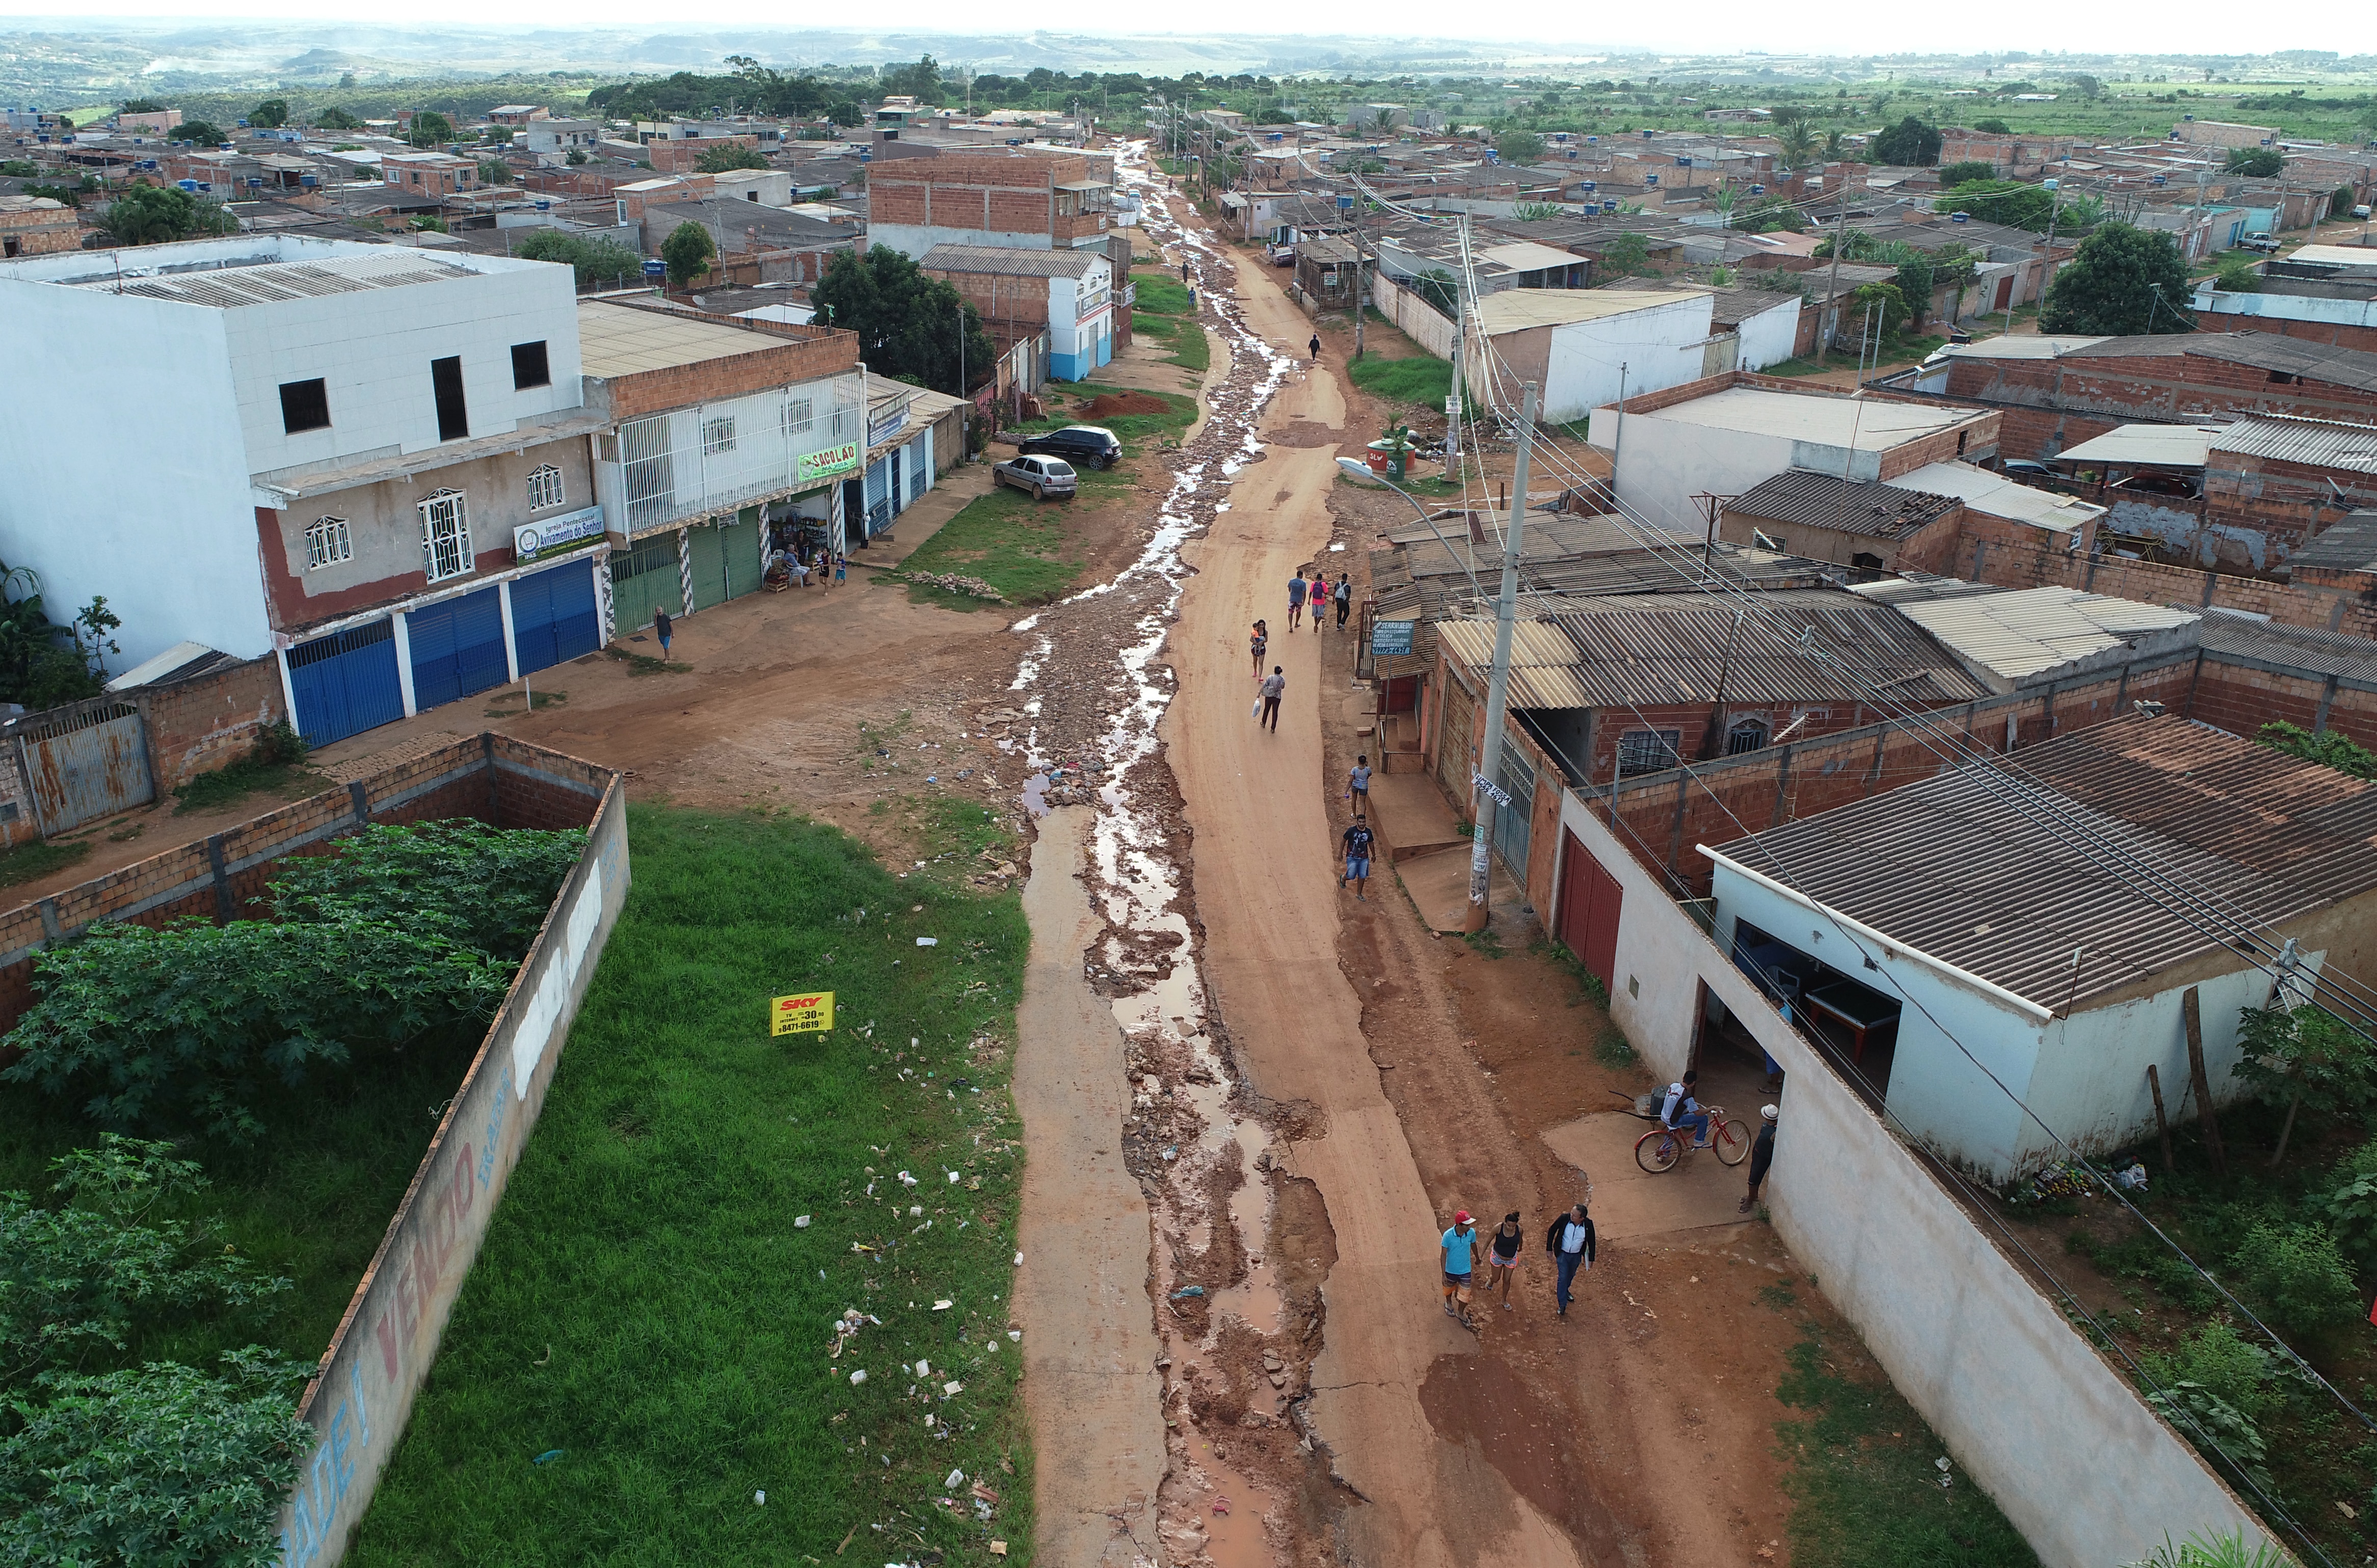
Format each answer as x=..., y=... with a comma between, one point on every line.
x=458, y=649
x=554, y=616
x=346, y=683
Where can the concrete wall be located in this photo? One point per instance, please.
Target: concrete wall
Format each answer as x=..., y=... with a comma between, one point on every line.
x=1420, y=321
x=2025, y=1408
x=362, y=1396
x=1769, y=337
x=1658, y=348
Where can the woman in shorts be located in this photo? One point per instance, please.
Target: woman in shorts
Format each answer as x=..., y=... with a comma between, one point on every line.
x=1260, y=640
x=1502, y=1256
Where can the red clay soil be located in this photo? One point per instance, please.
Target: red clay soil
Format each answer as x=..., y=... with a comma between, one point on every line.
x=1106, y=404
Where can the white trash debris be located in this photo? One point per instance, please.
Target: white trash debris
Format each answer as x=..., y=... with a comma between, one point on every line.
x=858, y=1377
x=943, y=1306
x=924, y=1369
x=760, y=1498
x=954, y=1176
x=957, y=1480
x=928, y=942
x=800, y=1222
x=953, y=1389
x=906, y=1179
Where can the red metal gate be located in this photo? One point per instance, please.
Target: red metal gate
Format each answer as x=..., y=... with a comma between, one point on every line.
x=1589, y=902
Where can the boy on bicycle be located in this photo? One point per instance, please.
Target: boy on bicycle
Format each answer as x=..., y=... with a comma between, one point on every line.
x=1681, y=1110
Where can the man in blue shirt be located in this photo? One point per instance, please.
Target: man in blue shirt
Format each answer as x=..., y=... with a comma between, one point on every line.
x=1681, y=1110
x=1459, y=1247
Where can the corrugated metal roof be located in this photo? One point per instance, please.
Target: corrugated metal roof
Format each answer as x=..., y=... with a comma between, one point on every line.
x=1801, y=497
x=2266, y=350
x=2349, y=545
x=2308, y=648
x=1676, y=648
x=1011, y=263
x=1975, y=866
x=2024, y=632
x=1515, y=310
x=2319, y=444
x=2001, y=497
x=1874, y=424
x=2170, y=445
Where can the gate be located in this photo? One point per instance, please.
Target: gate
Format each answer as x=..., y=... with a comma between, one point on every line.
x=1589, y=901
x=554, y=617
x=346, y=683
x=458, y=649
x=82, y=762
x=1512, y=823
x=642, y=580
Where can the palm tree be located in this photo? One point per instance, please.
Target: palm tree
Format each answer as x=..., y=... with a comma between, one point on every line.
x=1799, y=144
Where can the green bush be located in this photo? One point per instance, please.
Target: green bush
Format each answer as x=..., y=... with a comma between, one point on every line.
x=2350, y=1206
x=164, y=1465
x=2246, y=1376
x=182, y=1026
x=2225, y=1436
x=474, y=885
x=2300, y=1271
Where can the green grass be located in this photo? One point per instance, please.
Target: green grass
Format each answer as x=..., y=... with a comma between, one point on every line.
x=1423, y=379
x=1191, y=349
x=1012, y=542
x=644, y=1302
x=1863, y=1489
x=309, y=1202
x=30, y=862
x=249, y=775
x=1161, y=294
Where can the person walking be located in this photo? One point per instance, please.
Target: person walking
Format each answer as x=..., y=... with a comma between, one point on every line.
x=1343, y=598
x=663, y=629
x=1314, y=346
x=1357, y=784
x=840, y=568
x=1259, y=641
x=1762, y=1154
x=1273, y=684
x=1461, y=1249
x=1319, y=595
x=1571, y=1244
x=1502, y=1256
x=1297, y=588
x=1357, y=857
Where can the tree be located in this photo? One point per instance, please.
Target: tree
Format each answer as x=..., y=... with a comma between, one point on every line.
x=39, y=665
x=2087, y=86
x=2329, y=748
x=2289, y=1055
x=430, y=129
x=149, y=215
x=1994, y=126
x=2255, y=162
x=1770, y=213
x=197, y=130
x=2009, y=202
x=1625, y=255
x=2237, y=276
x=143, y=106
x=495, y=172
x=907, y=321
x=1954, y=174
x=594, y=261
x=335, y=119
x=1885, y=301
x=2124, y=282
x=920, y=81
x=574, y=156
x=1916, y=282
x=1519, y=147
x=2340, y=204
x=270, y=114
x=688, y=251
x=1798, y=142
x=733, y=155
x=846, y=114
x=1907, y=144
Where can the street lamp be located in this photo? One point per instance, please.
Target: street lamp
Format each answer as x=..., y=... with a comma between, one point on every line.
x=1362, y=473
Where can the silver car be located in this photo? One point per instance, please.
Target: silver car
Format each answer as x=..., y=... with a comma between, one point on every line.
x=1042, y=476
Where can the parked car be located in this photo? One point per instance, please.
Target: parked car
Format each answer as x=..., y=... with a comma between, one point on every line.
x=1042, y=476
x=2267, y=243
x=2158, y=485
x=1093, y=446
x=2022, y=468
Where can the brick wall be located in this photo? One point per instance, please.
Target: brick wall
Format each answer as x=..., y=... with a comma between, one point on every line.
x=2151, y=386
x=492, y=777
x=2338, y=334
x=2012, y=563
x=208, y=721
x=2284, y=503
x=772, y=362
x=683, y=157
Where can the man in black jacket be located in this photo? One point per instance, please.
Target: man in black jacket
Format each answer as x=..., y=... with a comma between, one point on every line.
x=1761, y=1155
x=1571, y=1244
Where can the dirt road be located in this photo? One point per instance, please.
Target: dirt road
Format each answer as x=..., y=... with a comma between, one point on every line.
x=1269, y=897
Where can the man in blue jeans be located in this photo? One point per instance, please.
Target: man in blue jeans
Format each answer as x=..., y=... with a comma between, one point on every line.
x=1571, y=1244
x=1680, y=1111
x=1459, y=1246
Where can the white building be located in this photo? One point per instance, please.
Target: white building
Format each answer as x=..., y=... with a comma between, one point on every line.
x=1587, y=347
x=1070, y=291
x=1967, y=953
x=1732, y=439
x=553, y=140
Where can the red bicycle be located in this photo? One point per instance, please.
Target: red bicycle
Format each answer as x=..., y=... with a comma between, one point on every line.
x=1662, y=1147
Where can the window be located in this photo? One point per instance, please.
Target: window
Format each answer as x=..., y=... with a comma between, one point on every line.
x=326, y=543
x=800, y=415
x=717, y=435
x=445, y=536
x=453, y=414
x=1647, y=751
x=1962, y=437
x=543, y=488
x=529, y=366
x=1746, y=735
x=305, y=405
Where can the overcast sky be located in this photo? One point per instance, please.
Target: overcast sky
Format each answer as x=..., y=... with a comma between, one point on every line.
x=1849, y=27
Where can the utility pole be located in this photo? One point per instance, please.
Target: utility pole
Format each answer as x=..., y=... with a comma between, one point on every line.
x=1831, y=286
x=1453, y=399
x=1487, y=791
x=1360, y=294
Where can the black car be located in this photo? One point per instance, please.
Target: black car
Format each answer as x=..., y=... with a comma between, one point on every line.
x=1092, y=445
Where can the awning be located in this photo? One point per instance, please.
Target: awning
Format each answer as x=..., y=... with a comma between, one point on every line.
x=2168, y=446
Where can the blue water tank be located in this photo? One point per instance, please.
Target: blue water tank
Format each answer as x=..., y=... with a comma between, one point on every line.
x=1648, y=133
x=255, y=182
x=1683, y=162
x=1758, y=190
x=2162, y=179
x=187, y=185
x=1960, y=218
x=1650, y=179
x=1591, y=141
x=310, y=181
x=656, y=269
x=1608, y=206
x=1591, y=184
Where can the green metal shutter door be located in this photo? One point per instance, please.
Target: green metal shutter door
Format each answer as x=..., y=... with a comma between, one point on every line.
x=642, y=580
x=708, y=568
x=741, y=546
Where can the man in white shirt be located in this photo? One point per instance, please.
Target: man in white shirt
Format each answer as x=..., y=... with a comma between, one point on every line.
x=1571, y=1244
x=1680, y=1111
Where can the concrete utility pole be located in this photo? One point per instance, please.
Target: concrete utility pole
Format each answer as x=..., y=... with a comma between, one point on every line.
x=1361, y=295
x=1832, y=287
x=1453, y=399
x=1487, y=791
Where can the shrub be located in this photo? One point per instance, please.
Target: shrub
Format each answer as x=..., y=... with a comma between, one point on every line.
x=2223, y=1434
x=2300, y=1271
x=180, y=1026
x=2245, y=1375
x=475, y=886
x=2351, y=1207
x=161, y=1465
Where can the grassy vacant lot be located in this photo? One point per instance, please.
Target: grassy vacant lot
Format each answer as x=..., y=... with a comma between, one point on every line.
x=1163, y=314
x=1035, y=552
x=1422, y=380
x=1865, y=1490
x=647, y=1302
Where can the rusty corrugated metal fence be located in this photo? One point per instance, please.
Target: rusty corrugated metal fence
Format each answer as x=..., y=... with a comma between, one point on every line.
x=83, y=761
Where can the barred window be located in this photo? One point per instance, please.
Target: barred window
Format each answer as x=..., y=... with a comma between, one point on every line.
x=543, y=488
x=800, y=415
x=717, y=435
x=1648, y=751
x=326, y=543
x=445, y=536
x=1746, y=735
